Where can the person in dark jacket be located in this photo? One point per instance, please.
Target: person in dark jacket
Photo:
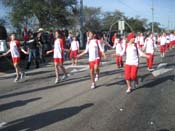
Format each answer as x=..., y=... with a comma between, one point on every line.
x=40, y=44
x=32, y=49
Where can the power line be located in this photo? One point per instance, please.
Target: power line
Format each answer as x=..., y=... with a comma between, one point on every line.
x=133, y=9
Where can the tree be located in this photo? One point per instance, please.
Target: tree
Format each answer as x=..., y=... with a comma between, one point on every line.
x=157, y=27
x=110, y=20
x=92, y=18
x=138, y=25
x=2, y=22
x=48, y=12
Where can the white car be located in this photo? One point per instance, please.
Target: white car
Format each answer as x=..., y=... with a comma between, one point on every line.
x=3, y=38
x=3, y=46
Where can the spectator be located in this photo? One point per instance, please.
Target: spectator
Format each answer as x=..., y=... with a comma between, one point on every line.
x=40, y=44
x=32, y=49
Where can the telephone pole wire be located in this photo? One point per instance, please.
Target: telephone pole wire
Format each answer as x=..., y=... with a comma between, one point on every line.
x=81, y=23
x=152, y=17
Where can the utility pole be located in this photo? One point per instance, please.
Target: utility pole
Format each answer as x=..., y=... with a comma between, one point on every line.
x=168, y=28
x=81, y=23
x=152, y=17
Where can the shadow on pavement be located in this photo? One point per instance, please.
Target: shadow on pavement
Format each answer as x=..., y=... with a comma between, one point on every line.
x=27, y=74
x=163, y=130
x=156, y=82
x=17, y=104
x=38, y=72
x=44, y=119
x=145, y=76
x=120, y=82
x=112, y=72
x=44, y=88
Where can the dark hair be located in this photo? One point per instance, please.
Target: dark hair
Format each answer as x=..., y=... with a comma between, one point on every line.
x=60, y=33
x=92, y=31
x=13, y=33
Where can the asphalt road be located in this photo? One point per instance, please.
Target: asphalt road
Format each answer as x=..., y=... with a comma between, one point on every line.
x=38, y=104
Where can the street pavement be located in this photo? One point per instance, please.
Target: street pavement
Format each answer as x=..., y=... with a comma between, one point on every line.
x=36, y=103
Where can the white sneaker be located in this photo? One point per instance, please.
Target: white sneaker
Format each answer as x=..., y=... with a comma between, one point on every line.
x=22, y=75
x=128, y=91
x=150, y=69
x=64, y=77
x=16, y=79
x=93, y=86
x=57, y=81
x=96, y=78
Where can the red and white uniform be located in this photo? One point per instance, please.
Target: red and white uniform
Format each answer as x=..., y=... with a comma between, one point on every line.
x=123, y=41
x=172, y=40
x=163, y=41
x=93, y=47
x=15, y=52
x=132, y=61
x=74, y=49
x=74, y=45
x=154, y=39
x=132, y=55
x=119, y=49
x=167, y=42
x=149, y=47
x=158, y=40
x=141, y=41
x=113, y=39
x=58, y=50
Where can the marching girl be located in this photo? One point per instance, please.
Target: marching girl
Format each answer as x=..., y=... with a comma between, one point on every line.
x=171, y=40
x=119, y=49
x=99, y=41
x=58, y=52
x=94, y=48
x=74, y=48
x=132, y=61
x=104, y=42
x=163, y=41
x=167, y=43
x=15, y=54
x=141, y=40
x=149, y=47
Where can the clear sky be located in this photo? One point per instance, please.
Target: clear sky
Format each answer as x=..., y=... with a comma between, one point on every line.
x=164, y=10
